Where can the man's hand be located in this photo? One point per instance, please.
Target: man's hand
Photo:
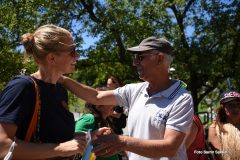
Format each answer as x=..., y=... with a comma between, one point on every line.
x=108, y=145
x=61, y=79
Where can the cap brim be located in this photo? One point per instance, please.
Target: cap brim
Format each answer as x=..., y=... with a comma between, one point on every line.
x=227, y=100
x=140, y=49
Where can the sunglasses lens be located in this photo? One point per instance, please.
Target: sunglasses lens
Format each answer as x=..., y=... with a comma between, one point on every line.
x=74, y=52
x=136, y=57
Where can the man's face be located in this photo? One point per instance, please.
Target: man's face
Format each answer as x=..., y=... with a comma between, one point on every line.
x=145, y=62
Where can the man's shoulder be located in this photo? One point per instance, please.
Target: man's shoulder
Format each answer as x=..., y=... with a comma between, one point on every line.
x=176, y=89
x=136, y=86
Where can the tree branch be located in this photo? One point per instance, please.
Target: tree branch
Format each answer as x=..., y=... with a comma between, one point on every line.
x=115, y=32
x=89, y=9
x=187, y=7
x=236, y=49
x=179, y=18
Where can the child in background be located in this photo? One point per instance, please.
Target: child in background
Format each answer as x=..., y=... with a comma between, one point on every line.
x=95, y=117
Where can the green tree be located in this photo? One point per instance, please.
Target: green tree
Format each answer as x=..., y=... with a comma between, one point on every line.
x=16, y=19
x=204, y=58
x=204, y=33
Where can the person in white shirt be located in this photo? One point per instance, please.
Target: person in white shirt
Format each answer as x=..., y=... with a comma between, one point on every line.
x=160, y=109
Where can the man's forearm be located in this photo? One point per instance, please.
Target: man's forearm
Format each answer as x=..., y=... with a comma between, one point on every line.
x=111, y=144
x=150, y=148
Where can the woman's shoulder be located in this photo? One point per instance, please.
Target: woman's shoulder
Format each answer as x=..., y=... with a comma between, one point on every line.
x=21, y=80
x=19, y=84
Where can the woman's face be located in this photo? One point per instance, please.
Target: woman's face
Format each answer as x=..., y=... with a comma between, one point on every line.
x=111, y=84
x=105, y=110
x=232, y=110
x=66, y=60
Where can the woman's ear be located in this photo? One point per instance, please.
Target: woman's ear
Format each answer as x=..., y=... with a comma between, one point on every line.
x=51, y=58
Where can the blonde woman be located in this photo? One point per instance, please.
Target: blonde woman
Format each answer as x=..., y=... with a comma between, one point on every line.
x=224, y=134
x=53, y=50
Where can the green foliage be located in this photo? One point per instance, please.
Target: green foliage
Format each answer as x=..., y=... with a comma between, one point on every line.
x=11, y=64
x=205, y=35
x=75, y=104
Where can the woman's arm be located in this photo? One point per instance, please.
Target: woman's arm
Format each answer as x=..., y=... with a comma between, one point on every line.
x=213, y=138
x=26, y=150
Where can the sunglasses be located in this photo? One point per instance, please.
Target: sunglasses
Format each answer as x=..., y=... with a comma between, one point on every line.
x=140, y=57
x=73, y=53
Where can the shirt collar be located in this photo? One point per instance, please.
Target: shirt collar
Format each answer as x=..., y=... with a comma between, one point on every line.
x=170, y=92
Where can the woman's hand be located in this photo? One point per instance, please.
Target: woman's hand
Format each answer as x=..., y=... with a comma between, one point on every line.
x=101, y=131
x=69, y=148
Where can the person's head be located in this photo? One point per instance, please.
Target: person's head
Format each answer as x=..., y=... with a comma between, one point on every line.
x=51, y=46
x=229, y=109
x=152, y=56
x=113, y=82
x=117, y=111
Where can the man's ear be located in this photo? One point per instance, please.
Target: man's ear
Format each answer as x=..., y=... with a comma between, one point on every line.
x=160, y=58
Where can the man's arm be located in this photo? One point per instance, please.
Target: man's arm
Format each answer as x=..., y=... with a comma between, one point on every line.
x=111, y=144
x=87, y=93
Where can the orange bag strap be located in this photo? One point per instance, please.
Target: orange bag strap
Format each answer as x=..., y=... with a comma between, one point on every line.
x=33, y=123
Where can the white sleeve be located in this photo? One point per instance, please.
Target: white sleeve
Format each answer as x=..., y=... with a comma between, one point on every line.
x=122, y=96
x=181, y=115
x=127, y=94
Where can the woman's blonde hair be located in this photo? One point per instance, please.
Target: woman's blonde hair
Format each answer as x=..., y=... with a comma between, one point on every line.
x=46, y=39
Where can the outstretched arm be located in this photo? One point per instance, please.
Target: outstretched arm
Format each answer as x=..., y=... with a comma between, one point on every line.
x=87, y=93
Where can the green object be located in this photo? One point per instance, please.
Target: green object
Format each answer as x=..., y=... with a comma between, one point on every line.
x=85, y=123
